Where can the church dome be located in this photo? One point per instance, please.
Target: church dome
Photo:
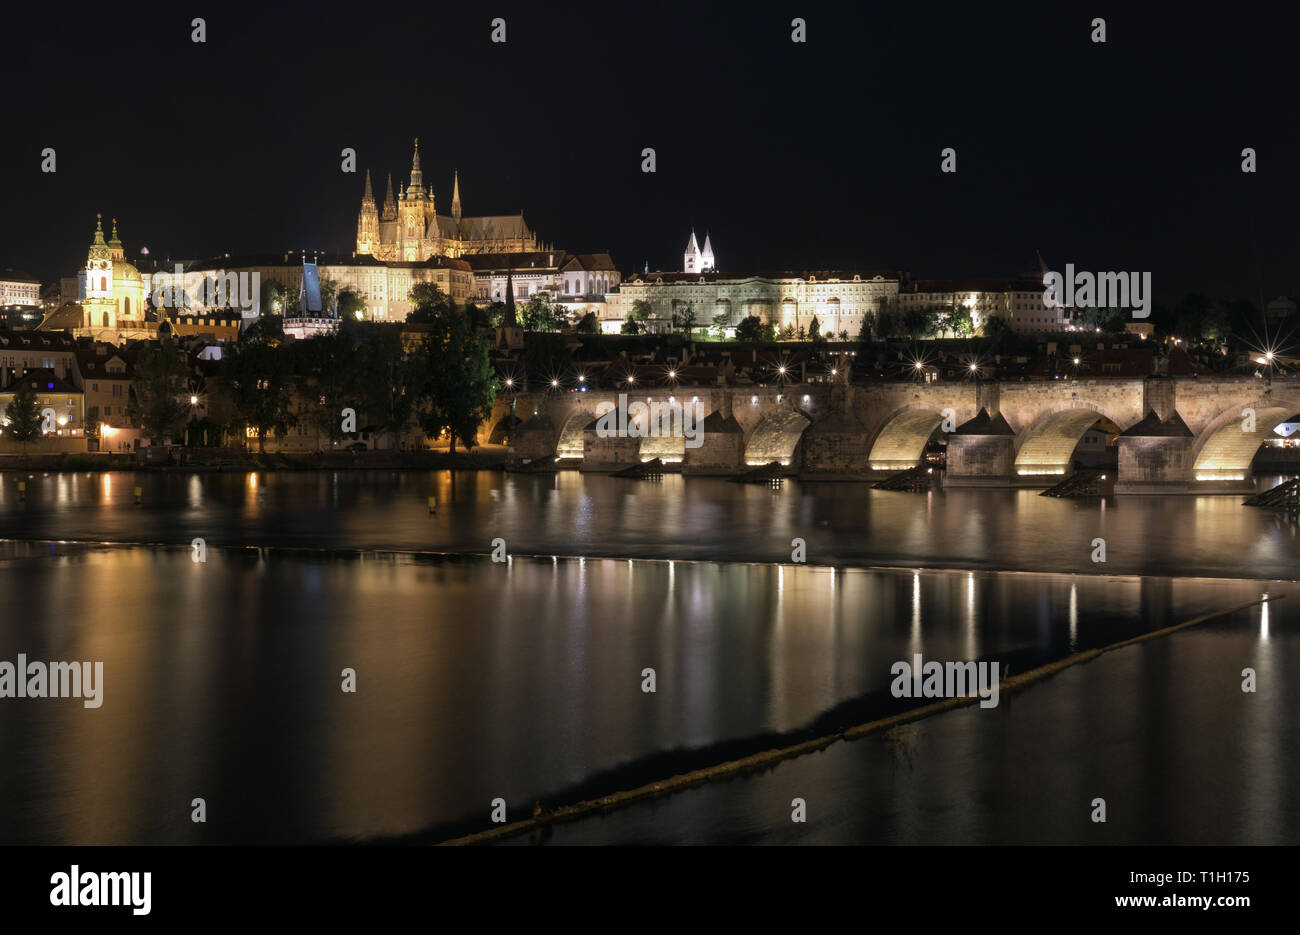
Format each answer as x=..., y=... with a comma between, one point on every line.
x=125, y=271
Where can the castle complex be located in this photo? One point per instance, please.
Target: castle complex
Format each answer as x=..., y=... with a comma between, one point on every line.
x=409, y=228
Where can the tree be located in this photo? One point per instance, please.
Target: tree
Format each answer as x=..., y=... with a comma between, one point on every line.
x=921, y=322
x=686, y=320
x=865, y=333
x=328, y=367
x=630, y=326
x=588, y=324
x=274, y=296
x=959, y=322
x=750, y=330
x=995, y=326
x=351, y=305
x=427, y=302
x=388, y=387
x=641, y=310
x=541, y=315
x=720, y=322
x=157, y=401
x=456, y=379
x=257, y=377
x=22, y=417
x=814, y=329
x=844, y=335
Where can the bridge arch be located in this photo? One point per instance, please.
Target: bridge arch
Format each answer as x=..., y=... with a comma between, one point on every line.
x=1225, y=449
x=776, y=437
x=1046, y=446
x=569, y=444
x=503, y=429
x=901, y=442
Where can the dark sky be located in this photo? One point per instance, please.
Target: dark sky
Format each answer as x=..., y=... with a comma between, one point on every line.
x=1123, y=156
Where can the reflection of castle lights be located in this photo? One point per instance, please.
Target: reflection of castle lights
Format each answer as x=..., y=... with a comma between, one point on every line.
x=1220, y=476
x=1032, y=472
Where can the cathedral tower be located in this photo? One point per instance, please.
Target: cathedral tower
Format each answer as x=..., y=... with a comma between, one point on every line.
x=418, y=222
x=368, y=221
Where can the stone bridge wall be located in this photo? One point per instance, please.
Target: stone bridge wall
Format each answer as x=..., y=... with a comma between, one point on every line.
x=840, y=431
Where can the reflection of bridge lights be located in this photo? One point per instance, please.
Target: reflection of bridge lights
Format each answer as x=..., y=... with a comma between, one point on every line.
x=1034, y=472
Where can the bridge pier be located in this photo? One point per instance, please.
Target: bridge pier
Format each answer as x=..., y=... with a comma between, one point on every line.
x=1155, y=455
x=981, y=453
x=723, y=443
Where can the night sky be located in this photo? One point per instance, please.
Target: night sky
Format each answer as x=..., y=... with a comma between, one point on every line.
x=1123, y=156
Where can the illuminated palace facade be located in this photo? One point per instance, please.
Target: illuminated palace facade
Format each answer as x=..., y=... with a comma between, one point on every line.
x=409, y=228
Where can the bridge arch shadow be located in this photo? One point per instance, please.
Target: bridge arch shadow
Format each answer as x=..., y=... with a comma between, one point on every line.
x=776, y=438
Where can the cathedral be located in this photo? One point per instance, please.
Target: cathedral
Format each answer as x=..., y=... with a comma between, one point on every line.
x=410, y=229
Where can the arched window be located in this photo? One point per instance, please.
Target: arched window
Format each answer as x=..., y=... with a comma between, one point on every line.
x=106, y=319
x=127, y=300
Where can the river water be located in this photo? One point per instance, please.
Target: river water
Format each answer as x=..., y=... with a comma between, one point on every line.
x=522, y=680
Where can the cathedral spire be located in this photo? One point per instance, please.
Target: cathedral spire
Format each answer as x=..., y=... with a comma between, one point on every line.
x=368, y=197
x=416, y=188
x=99, y=232
x=455, y=196
x=390, y=203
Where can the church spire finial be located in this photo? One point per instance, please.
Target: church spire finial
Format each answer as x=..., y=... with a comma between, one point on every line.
x=416, y=188
x=455, y=195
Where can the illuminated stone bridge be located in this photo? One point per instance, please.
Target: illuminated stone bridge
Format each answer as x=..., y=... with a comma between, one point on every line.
x=1179, y=434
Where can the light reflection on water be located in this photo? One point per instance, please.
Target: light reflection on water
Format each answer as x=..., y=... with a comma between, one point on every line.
x=697, y=518
x=475, y=680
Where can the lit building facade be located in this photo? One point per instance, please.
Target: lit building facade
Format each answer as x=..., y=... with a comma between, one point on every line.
x=838, y=299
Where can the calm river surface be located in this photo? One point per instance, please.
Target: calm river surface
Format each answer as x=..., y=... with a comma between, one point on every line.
x=523, y=680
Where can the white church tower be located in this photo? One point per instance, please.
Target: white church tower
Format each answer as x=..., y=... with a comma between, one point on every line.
x=695, y=260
